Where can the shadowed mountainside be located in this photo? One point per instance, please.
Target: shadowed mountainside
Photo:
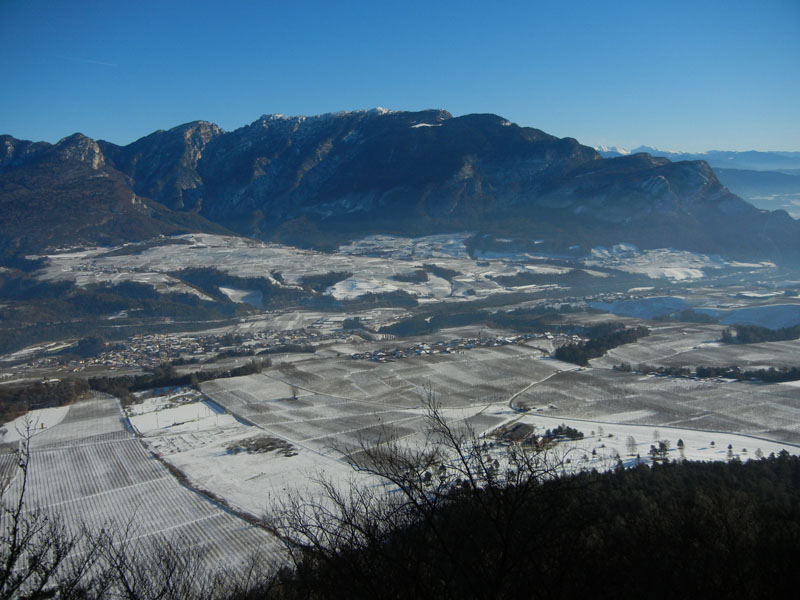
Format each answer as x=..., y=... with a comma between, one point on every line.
x=316, y=180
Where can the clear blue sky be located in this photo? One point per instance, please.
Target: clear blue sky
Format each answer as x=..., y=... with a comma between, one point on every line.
x=682, y=75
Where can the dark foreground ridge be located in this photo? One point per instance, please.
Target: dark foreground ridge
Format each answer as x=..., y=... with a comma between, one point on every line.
x=679, y=529
x=316, y=181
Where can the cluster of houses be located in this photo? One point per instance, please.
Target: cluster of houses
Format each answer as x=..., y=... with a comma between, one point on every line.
x=457, y=346
x=153, y=349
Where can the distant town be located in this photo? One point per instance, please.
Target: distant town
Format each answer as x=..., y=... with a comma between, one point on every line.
x=147, y=351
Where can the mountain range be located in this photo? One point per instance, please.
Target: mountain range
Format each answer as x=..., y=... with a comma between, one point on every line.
x=752, y=160
x=769, y=180
x=316, y=181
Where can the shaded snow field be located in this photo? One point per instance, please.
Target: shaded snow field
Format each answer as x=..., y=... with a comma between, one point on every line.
x=693, y=346
x=774, y=316
x=251, y=297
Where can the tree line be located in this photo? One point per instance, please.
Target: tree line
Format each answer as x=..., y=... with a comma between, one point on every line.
x=165, y=375
x=770, y=375
x=16, y=400
x=753, y=334
x=602, y=338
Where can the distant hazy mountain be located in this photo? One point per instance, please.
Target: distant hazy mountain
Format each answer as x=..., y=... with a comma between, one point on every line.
x=749, y=160
x=770, y=190
x=769, y=180
x=316, y=180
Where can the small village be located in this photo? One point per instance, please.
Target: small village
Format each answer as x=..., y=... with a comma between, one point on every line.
x=460, y=346
x=147, y=351
x=153, y=349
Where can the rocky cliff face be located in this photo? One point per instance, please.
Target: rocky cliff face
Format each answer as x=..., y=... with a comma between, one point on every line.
x=292, y=178
x=163, y=165
x=14, y=152
x=66, y=194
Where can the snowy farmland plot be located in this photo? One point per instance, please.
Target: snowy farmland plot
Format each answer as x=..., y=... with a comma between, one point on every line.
x=604, y=444
x=340, y=403
x=90, y=469
x=665, y=343
x=761, y=410
x=699, y=345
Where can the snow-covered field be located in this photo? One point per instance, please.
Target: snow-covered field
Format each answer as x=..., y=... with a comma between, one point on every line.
x=699, y=345
x=374, y=261
x=343, y=404
x=605, y=441
x=663, y=263
x=252, y=297
x=89, y=469
x=342, y=401
x=198, y=437
x=760, y=410
x=34, y=422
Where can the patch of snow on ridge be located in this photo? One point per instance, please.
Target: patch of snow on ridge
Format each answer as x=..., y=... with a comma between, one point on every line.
x=353, y=287
x=251, y=297
x=418, y=125
x=661, y=263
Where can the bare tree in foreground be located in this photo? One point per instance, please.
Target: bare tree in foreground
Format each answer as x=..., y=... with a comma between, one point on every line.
x=455, y=491
x=157, y=568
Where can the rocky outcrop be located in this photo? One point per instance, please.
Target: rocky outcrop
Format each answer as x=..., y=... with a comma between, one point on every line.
x=163, y=165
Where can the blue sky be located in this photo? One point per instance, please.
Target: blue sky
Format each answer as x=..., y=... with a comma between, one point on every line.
x=679, y=75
